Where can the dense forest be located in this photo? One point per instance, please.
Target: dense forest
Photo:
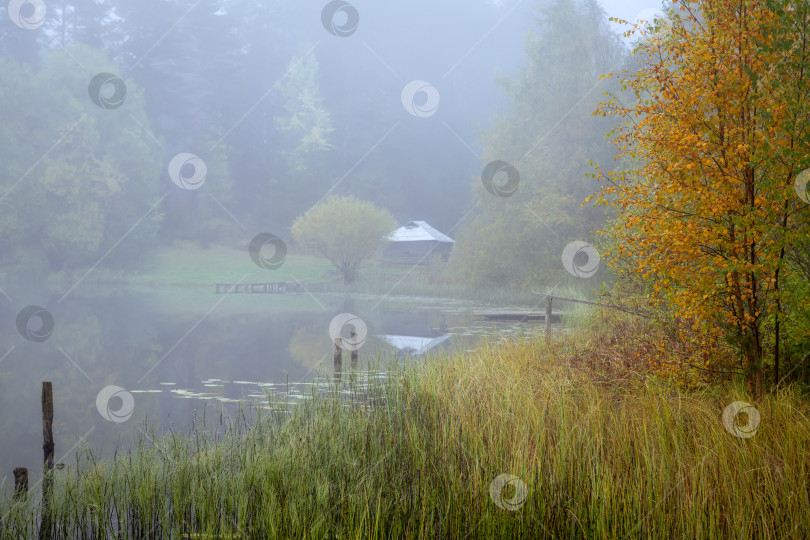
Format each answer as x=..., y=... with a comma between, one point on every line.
x=279, y=111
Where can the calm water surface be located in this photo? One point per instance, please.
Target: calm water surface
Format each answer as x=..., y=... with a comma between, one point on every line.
x=177, y=356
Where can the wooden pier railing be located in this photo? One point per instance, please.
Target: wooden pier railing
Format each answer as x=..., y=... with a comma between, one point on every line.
x=262, y=288
x=550, y=297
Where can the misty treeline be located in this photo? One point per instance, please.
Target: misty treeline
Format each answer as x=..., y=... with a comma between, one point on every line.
x=549, y=134
x=282, y=113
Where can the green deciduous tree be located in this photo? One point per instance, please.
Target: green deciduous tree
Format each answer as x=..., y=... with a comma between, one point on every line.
x=76, y=176
x=345, y=230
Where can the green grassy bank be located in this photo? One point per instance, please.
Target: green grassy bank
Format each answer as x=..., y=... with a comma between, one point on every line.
x=603, y=452
x=192, y=269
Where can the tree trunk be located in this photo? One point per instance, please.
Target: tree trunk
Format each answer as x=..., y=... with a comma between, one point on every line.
x=754, y=377
x=776, y=348
x=349, y=275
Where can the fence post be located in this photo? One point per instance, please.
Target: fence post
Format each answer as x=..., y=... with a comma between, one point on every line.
x=20, y=482
x=48, y=451
x=354, y=350
x=338, y=358
x=548, y=318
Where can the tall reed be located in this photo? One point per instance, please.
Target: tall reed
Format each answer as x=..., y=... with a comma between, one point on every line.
x=590, y=457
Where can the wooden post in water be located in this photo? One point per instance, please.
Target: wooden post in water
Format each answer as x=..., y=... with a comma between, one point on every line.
x=548, y=318
x=338, y=358
x=47, y=424
x=354, y=351
x=20, y=482
x=48, y=451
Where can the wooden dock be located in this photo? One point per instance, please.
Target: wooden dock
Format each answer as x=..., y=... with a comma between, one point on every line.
x=517, y=315
x=259, y=288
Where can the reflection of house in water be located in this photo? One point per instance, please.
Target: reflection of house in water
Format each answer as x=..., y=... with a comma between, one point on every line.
x=413, y=333
x=413, y=345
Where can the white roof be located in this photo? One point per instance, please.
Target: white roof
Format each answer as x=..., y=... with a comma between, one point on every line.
x=418, y=231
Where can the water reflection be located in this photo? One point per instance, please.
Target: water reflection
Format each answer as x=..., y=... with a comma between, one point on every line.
x=413, y=333
x=180, y=359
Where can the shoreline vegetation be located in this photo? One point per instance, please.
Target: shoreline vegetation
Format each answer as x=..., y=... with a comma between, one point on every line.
x=597, y=445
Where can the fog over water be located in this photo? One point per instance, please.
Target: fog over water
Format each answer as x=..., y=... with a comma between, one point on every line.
x=155, y=156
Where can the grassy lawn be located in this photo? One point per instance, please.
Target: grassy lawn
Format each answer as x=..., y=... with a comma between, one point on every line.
x=190, y=265
x=594, y=450
x=182, y=278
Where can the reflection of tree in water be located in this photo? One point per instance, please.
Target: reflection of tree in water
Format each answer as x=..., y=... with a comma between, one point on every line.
x=116, y=340
x=309, y=346
x=248, y=347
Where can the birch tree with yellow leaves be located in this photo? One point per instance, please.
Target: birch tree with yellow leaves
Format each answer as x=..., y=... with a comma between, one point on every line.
x=712, y=207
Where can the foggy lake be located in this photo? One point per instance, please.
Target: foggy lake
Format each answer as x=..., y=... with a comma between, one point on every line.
x=254, y=350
